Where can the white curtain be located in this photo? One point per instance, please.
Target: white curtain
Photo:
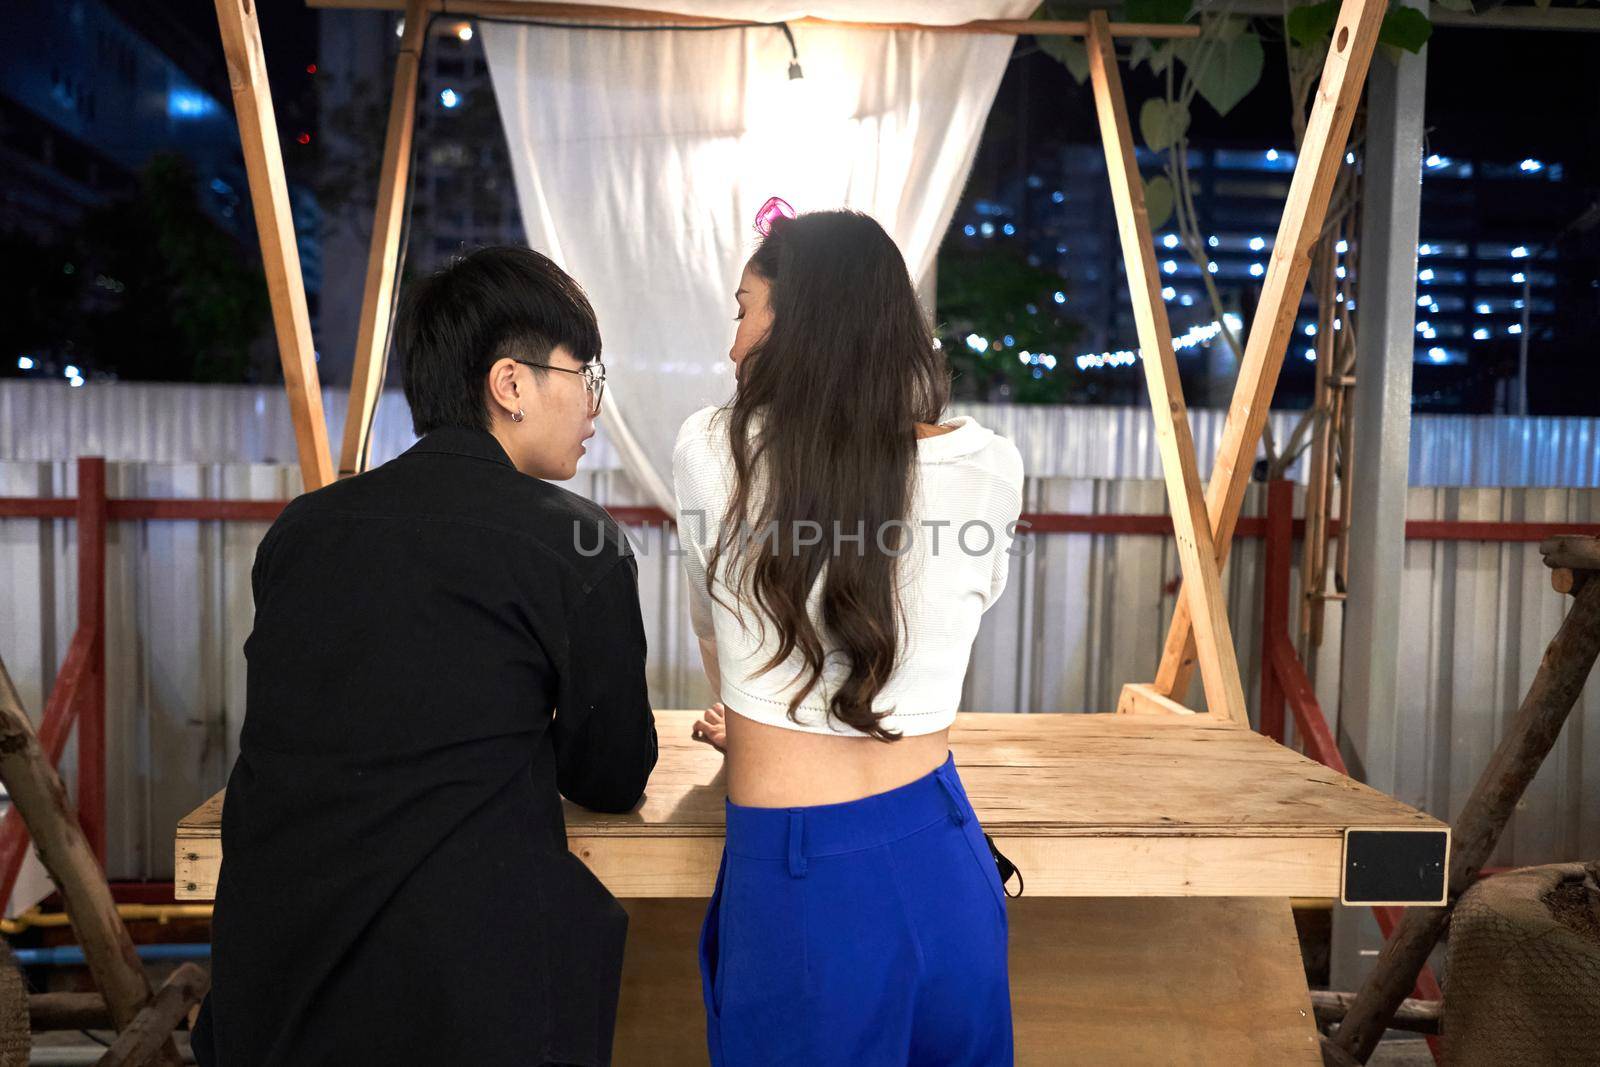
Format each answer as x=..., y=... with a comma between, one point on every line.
x=641, y=157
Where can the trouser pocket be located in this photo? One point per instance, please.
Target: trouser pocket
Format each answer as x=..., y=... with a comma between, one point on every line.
x=711, y=937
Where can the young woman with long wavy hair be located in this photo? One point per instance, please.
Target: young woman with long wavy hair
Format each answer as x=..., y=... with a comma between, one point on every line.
x=841, y=543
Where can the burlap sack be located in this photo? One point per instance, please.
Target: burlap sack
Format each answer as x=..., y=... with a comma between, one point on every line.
x=1522, y=974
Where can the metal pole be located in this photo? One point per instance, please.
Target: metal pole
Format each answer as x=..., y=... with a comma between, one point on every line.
x=1369, y=729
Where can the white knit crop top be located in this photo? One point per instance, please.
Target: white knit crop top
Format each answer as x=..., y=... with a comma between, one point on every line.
x=962, y=522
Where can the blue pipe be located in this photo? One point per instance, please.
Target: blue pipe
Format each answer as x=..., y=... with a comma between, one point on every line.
x=72, y=955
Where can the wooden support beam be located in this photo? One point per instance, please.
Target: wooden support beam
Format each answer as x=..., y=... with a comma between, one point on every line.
x=142, y=1040
x=1219, y=663
x=1141, y=698
x=1417, y=1016
x=68, y=1011
x=372, y=338
x=1531, y=734
x=280, y=258
x=1321, y=155
x=519, y=9
x=1571, y=552
x=38, y=793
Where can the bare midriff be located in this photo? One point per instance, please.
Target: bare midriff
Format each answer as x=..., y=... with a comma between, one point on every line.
x=774, y=767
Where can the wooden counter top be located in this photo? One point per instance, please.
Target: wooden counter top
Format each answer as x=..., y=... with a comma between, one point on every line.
x=1085, y=804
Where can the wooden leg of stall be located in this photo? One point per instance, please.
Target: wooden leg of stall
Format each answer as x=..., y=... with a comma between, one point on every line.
x=1093, y=980
x=1219, y=663
x=280, y=257
x=1355, y=34
x=372, y=338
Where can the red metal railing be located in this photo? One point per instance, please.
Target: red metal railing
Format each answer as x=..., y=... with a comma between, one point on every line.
x=78, y=696
x=79, y=693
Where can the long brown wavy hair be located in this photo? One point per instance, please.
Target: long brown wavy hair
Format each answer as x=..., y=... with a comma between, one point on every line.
x=833, y=393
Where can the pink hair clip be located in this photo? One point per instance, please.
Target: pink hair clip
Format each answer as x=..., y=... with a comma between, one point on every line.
x=774, y=209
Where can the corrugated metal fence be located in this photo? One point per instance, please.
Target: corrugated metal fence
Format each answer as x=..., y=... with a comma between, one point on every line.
x=1083, y=614
x=250, y=424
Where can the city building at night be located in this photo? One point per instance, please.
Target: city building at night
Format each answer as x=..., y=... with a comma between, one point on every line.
x=1488, y=266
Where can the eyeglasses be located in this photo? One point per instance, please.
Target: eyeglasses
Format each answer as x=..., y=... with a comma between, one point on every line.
x=594, y=379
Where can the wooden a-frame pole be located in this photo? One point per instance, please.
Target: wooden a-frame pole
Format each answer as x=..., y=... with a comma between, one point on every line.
x=280, y=258
x=372, y=339
x=1355, y=34
x=1219, y=663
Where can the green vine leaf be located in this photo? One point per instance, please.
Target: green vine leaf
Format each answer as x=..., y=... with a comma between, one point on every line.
x=1139, y=52
x=1158, y=200
x=1160, y=57
x=1162, y=124
x=1223, y=71
x=1071, y=52
x=1314, y=22
x=1405, y=27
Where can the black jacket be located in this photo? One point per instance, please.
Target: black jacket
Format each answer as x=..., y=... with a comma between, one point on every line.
x=441, y=646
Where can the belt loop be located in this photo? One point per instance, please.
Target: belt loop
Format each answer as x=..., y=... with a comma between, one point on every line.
x=958, y=812
x=797, y=855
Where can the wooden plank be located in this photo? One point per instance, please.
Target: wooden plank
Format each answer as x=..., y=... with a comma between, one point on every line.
x=197, y=851
x=1097, y=977
x=530, y=9
x=1219, y=662
x=1139, y=698
x=1088, y=805
x=372, y=337
x=1316, y=169
x=280, y=258
x=1117, y=864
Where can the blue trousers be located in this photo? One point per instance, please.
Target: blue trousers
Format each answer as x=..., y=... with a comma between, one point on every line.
x=865, y=934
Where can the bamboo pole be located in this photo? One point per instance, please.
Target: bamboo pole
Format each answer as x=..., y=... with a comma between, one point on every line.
x=372, y=339
x=1219, y=663
x=68, y=1011
x=38, y=793
x=517, y=9
x=1417, y=1016
x=280, y=258
x=1533, y=731
x=135, y=1045
x=1355, y=35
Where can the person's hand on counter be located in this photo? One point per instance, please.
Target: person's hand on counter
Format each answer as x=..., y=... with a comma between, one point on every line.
x=711, y=728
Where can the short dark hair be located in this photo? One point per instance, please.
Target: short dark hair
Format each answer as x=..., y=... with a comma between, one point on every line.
x=489, y=304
